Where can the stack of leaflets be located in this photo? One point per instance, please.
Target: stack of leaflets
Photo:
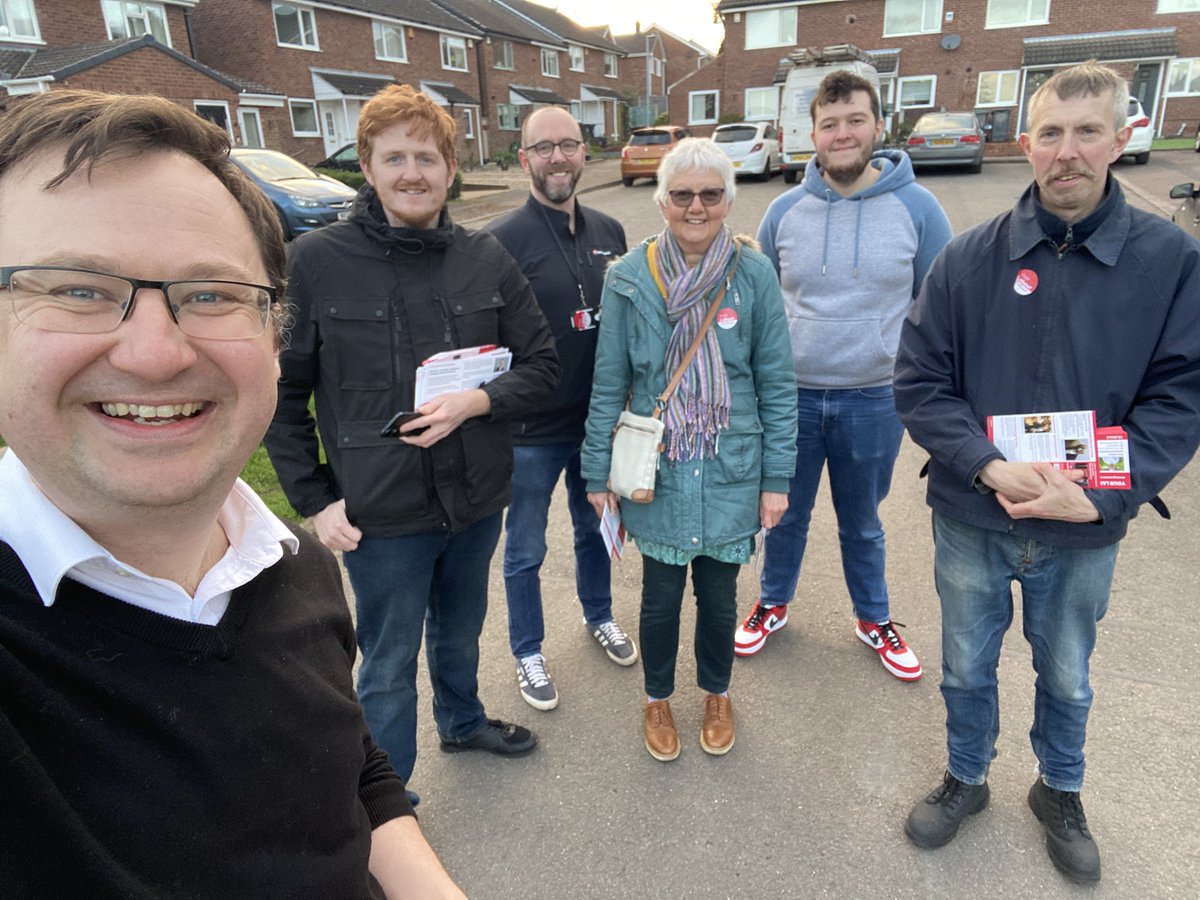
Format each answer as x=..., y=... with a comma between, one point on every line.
x=460, y=370
x=1068, y=441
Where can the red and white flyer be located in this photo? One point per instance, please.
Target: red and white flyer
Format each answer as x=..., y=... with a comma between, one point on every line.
x=1069, y=441
x=460, y=370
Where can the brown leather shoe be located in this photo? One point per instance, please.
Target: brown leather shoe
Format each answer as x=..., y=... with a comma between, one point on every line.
x=661, y=738
x=716, y=734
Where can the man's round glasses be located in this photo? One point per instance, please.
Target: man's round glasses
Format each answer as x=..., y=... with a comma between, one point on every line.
x=78, y=301
x=545, y=149
x=708, y=196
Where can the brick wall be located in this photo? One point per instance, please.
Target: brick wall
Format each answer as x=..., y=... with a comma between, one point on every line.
x=65, y=23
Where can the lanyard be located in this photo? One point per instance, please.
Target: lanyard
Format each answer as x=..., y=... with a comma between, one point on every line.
x=572, y=265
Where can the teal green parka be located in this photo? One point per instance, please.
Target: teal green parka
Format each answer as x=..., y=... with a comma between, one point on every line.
x=699, y=503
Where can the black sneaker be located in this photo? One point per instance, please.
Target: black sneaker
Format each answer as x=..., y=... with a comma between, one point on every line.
x=1068, y=841
x=934, y=821
x=495, y=736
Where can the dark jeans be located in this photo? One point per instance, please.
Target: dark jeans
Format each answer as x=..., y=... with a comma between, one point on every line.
x=715, y=586
x=438, y=580
x=535, y=474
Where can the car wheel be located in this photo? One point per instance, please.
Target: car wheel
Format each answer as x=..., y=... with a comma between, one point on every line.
x=789, y=176
x=976, y=168
x=627, y=181
x=765, y=174
x=1142, y=158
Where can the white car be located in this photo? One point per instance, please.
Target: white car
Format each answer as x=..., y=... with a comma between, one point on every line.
x=752, y=147
x=1142, y=136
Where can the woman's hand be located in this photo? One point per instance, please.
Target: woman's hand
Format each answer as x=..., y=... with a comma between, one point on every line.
x=771, y=508
x=602, y=499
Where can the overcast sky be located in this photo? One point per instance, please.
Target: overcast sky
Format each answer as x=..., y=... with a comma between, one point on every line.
x=691, y=19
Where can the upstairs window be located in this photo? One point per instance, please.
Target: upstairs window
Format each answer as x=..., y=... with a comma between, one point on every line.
x=549, y=63
x=127, y=20
x=771, y=28
x=1015, y=13
x=504, y=54
x=576, y=57
x=389, y=41
x=454, y=53
x=1177, y=6
x=610, y=65
x=18, y=21
x=911, y=17
x=295, y=26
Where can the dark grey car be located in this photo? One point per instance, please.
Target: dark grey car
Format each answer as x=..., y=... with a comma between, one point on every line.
x=946, y=139
x=1187, y=216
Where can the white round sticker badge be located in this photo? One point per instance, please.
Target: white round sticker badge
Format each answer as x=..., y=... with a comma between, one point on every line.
x=727, y=318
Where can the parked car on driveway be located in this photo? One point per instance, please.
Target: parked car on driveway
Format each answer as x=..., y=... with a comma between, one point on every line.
x=304, y=200
x=344, y=159
x=1142, y=134
x=752, y=147
x=1187, y=216
x=946, y=139
x=645, y=150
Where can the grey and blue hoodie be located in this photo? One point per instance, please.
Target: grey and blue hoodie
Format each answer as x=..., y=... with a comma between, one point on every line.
x=850, y=268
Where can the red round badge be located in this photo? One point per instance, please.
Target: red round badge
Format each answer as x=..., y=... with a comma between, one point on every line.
x=1026, y=283
x=727, y=318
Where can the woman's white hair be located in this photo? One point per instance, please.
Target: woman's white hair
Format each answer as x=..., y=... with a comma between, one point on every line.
x=695, y=155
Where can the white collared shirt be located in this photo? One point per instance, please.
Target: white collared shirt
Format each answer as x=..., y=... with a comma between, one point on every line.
x=52, y=547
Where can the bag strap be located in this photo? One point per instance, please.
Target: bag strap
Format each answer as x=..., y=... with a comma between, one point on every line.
x=661, y=403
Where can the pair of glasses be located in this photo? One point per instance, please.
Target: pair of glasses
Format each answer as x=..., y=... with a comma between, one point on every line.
x=708, y=196
x=545, y=149
x=79, y=301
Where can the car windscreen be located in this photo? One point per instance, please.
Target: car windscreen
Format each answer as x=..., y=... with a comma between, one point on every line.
x=733, y=135
x=274, y=166
x=945, y=122
x=647, y=138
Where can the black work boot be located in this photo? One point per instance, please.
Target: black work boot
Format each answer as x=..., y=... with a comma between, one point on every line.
x=934, y=821
x=1068, y=841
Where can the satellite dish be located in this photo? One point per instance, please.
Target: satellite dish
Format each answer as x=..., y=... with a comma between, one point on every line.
x=951, y=41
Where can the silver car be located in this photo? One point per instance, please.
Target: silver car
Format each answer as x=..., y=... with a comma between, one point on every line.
x=1187, y=216
x=946, y=139
x=752, y=147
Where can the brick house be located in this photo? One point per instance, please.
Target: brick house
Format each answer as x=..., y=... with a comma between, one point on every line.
x=328, y=58
x=668, y=58
x=983, y=55
x=121, y=46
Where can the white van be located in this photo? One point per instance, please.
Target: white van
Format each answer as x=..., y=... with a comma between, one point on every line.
x=809, y=67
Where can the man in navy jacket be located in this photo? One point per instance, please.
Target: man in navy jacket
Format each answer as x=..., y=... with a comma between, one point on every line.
x=1072, y=301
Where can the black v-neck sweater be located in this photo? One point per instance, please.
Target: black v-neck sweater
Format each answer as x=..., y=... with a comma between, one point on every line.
x=144, y=756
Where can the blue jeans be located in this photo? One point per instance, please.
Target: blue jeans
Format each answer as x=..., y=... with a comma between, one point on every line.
x=439, y=580
x=1064, y=593
x=858, y=433
x=535, y=473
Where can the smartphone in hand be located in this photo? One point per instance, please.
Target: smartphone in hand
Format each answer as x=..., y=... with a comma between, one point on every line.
x=392, y=428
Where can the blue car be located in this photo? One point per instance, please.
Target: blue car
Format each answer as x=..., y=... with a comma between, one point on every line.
x=304, y=200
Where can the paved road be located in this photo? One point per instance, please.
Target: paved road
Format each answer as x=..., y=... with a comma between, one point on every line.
x=831, y=750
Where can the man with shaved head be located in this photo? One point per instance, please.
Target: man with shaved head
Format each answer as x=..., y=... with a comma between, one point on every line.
x=563, y=249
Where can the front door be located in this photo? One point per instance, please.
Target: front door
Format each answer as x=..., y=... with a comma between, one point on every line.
x=333, y=129
x=251, y=127
x=1145, y=88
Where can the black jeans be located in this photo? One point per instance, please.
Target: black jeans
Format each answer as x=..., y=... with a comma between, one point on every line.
x=715, y=585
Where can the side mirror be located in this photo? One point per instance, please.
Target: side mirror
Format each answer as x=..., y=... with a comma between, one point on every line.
x=1183, y=191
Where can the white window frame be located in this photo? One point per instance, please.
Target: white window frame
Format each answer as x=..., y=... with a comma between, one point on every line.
x=379, y=28
x=301, y=12
x=503, y=60
x=927, y=6
x=245, y=113
x=514, y=111
x=770, y=116
x=901, y=82
x=449, y=43
x=31, y=12
x=549, y=63
x=784, y=38
x=1193, y=75
x=1029, y=19
x=311, y=104
x=693, y=95
x=222, y=104
x=468, y=123
x=1002, y=99
x=575, y=55
x=1178, y=6
x=123, y=9
x=610, y=65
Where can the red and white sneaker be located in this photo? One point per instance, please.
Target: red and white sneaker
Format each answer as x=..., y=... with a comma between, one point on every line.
x=895, y=655
x=751, y=635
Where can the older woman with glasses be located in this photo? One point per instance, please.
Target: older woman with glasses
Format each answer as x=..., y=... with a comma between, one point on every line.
x=730, y=426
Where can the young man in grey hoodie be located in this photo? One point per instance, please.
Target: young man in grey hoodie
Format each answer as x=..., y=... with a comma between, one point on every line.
x=851, y=244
